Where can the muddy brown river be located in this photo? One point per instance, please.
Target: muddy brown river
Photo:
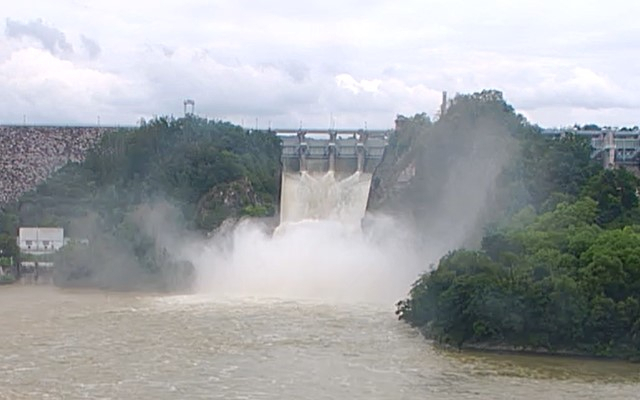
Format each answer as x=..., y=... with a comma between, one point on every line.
x=82, y=344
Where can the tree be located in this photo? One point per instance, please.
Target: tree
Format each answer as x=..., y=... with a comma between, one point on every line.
x=615, y=192
x=8, y=246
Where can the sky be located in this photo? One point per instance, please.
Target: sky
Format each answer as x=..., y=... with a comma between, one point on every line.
x=316, y=63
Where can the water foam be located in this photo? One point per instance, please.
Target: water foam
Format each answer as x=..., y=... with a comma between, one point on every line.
x=324, y=196
x=311, y=259
x=319, y=251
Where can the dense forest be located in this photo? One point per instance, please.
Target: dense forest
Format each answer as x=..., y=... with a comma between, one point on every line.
x=142, y=187
x=557, y=265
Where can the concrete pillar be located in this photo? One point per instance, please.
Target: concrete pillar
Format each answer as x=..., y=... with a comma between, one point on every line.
x=332, y=151
x=360, y=149
x=609, y=150
x=302, y=149
x=303, y=158
x=360, y=154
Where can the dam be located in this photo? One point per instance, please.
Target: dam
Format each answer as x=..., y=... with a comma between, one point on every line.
x=326, y=174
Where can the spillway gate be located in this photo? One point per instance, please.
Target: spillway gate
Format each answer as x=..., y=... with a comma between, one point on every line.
x=341, y=151
x=326, y=174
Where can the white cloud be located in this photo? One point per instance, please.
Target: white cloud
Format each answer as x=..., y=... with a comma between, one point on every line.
x=284, y=61
x=346, y=81
x=44, y=88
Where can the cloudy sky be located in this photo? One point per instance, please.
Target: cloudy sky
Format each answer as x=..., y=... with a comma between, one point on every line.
x=286, y=62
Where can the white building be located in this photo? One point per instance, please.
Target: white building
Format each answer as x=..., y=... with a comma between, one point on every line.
x=40, y=240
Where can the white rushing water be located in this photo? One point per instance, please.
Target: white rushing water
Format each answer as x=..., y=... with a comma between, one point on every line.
x=324, y=196
x=312, y=259
x=318, y=251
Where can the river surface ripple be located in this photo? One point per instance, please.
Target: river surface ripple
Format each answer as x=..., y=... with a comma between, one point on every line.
x=61, y=344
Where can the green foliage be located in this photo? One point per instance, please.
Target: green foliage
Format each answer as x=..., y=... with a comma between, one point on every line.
x=615, y=192
x=255, y=211
x=8, y=246
x=183, y=160
x=8, y=221
x=569, y=286
x=551, y=167
x=559, y=267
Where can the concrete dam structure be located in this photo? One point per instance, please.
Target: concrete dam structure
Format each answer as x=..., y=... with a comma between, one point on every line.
x=326, y=174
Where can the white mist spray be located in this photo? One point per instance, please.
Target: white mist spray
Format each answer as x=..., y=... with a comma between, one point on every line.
x=319, y=250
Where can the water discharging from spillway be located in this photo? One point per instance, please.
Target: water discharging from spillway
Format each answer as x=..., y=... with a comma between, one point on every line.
x=324, y=196
x=319, y=250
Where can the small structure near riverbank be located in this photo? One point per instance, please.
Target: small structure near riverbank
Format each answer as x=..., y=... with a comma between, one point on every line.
x=39, y=241
x=38, y=245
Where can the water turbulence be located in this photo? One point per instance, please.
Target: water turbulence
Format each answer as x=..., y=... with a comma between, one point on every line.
x=319, y=250
x=324, y=196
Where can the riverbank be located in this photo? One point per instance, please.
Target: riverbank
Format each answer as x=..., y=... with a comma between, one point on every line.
x=508, y=349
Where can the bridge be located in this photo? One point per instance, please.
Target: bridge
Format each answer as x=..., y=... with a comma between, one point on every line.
x=614, y=147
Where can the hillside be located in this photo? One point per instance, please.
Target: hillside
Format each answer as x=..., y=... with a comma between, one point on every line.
x=137, y=189
x=453, y=172
x=556, y=268
x=30, y=154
